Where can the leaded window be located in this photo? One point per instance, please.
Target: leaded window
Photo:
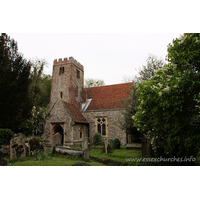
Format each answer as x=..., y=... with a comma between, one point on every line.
x=101, y=125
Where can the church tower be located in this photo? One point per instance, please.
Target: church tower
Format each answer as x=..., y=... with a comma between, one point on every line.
x=67, y=81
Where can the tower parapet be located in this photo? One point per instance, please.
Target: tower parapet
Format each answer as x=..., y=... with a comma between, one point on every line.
x=71, y=60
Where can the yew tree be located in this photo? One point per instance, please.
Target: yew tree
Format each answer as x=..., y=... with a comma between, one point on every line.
x=15, y=98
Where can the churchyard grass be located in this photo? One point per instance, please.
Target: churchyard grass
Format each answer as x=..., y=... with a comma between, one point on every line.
x=56, y=160
x=118, y=155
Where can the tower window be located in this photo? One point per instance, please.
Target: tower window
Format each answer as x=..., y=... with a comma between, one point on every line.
x=78, y=74
x=61, y=95
x=62, y=69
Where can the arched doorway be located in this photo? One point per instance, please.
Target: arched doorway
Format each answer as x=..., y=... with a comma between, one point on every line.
x=59, y=129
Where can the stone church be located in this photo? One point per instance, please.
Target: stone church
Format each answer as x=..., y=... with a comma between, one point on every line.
x=77, y=112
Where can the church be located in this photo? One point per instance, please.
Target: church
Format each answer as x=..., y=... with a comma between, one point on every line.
x=77, y=112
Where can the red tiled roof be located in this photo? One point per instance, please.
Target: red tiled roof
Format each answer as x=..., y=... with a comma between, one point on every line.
x=107, y=97
x=78, y=117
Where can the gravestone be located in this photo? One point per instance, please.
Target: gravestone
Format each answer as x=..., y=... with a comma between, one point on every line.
x=56, y=140
x=106, y=145
x=110, y=142
x=17, y=147
x=34, y=144
x=86, y=153
x=85, y=143
x=2, y=161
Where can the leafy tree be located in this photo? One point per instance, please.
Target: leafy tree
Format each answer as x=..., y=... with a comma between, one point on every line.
x=40, y=84
x=15, y=98
x=168, y=110
x=145, y=73
x=90, y=82
x=40, y=88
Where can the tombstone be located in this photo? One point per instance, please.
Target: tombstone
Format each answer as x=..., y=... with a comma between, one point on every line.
x=85, y=143
x=106, y=145
x=34, y=144
x=2, y=161
x=145, y=146
x=86, y=153
x=17, y=147
x=129, y=138
x=56, y=140
x=110, y=142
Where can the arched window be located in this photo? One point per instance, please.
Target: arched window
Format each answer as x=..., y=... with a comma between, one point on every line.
x=101, y=125
x=62, y=70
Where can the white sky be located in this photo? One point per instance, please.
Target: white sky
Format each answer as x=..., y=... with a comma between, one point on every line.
x=107, y=56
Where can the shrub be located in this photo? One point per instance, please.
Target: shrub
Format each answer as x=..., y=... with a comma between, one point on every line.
x=39, y=155
x=80, y=163
x=98, y=139
x=116, y=143
x=5, y=136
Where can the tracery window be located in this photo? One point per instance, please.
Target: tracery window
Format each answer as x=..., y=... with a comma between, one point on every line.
x=101, y=125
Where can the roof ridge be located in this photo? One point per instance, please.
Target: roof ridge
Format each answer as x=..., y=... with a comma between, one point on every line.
x=109, y=85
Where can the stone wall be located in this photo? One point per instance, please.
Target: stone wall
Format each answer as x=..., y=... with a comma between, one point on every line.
x=68, y=83
x=113, y=119
x=58, y=115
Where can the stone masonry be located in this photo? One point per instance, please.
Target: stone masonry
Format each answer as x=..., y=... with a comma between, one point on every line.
x=65, y=114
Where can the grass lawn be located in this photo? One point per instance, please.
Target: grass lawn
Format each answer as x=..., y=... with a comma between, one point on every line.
x=118, y=155
x=56, y=160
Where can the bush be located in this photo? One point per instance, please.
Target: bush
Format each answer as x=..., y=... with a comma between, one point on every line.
x=98, y=139
x=116, y=143
x=5, y=136
x=41, y=155
x=80, y=163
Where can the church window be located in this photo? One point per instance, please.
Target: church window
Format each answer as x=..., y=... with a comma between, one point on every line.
x=101, y=125
x=78, y=74
x=61, y=95
x=62, y=69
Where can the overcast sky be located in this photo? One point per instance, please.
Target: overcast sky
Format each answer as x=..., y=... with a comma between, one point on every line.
x=106, y=56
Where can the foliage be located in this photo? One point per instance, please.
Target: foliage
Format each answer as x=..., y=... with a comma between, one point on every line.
x=98, y=139
x=15, y=98
x=91, y=82
x=5, y=136
x=168, y=110
x=40, y=83
x=80, y=163
x=147, y=71
x=39, y=155
x=116, y=143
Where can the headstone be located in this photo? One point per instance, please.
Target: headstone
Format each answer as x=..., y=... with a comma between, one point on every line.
x=2, y=161
x=56, y=140
x=106, y=145
x=85, y=143
x=110, y=142
x=17, y=147
x=86, y=153
x=129, y=138
x=34, y=144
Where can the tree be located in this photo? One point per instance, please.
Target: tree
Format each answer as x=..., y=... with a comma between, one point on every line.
x=40, y=88
x=147, y=71
x=40, y=83
x=169, y=102
x=15, y=98
x=90, y=82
